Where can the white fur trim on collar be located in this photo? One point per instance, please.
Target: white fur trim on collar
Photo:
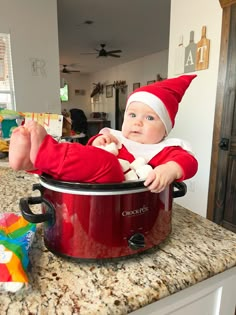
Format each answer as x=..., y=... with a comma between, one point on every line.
x=147, y=151
x=155, y=103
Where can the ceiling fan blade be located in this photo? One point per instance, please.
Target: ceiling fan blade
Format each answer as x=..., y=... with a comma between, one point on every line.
x=118, y=51
x=73, y=65
x=103, y=52
x=113, y=55
x=65, y=71
x=89, y=53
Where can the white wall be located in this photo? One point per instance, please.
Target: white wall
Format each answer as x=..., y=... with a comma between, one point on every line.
x=34, y=34
x=195, y=119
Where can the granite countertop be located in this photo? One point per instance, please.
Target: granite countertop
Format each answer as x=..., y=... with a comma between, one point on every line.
x=196, y=250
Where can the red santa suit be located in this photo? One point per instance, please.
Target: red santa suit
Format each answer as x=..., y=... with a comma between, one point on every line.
x=76, y=162
x=171, y=149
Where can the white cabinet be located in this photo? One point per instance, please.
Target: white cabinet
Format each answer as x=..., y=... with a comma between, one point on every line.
x=214, y=296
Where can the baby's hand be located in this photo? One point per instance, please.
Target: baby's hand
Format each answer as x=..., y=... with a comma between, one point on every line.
x=105, y=139
x=162, y=176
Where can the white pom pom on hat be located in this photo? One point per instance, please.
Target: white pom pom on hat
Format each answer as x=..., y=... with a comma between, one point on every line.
x=163, y=97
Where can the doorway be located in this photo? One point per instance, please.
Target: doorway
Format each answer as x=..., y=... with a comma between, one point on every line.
x=120, y=103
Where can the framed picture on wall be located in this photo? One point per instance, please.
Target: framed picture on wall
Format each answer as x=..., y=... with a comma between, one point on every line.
x=150, y=82
x=136, y=85
x=79, y=92
x=109, y=90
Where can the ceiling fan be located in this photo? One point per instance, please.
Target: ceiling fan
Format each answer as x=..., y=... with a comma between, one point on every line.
x=102, y=52
x=66, y=70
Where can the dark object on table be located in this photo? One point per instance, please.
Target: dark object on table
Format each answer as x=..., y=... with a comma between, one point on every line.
x=3, y=155
x=79, y=121
x=99, y=115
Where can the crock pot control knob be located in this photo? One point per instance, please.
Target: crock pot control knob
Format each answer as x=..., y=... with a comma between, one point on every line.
x=136, y=241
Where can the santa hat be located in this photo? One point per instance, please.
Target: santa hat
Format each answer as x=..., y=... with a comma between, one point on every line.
x=163, y=97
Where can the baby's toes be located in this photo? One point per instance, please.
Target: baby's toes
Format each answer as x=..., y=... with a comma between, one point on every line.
x=24, y=131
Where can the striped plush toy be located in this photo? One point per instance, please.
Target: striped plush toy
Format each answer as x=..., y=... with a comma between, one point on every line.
x=16, y=236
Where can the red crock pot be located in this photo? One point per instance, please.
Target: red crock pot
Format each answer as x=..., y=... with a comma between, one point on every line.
x=97, y=221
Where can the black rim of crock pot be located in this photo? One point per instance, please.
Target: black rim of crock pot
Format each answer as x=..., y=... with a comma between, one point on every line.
x=97, y=186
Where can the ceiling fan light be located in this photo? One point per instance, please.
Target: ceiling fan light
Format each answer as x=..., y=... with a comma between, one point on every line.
x=88, y=22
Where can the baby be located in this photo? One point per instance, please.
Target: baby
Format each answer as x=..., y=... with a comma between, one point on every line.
x=148, y=119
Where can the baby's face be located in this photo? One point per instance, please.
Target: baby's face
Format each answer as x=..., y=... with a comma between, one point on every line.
x=142, y=124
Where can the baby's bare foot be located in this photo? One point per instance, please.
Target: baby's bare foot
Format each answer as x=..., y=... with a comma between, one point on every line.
x=19, y=149
x=37, y=135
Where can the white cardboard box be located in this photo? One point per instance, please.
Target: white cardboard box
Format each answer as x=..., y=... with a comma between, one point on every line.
x=51, y=122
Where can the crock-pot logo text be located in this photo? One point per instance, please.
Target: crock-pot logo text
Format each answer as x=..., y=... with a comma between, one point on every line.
x=139, y=211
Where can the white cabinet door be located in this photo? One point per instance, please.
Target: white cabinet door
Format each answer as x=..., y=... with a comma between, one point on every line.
x=214, y=296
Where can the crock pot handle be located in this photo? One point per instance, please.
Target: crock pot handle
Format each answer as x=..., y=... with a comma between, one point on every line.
x=36, y=218
x=38, y=187
x=182, y=189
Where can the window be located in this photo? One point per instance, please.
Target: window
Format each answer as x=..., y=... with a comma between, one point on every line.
x=64, y=93
x=7, y=95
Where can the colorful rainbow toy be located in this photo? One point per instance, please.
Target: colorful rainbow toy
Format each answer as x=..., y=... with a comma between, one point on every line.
x=16, y=237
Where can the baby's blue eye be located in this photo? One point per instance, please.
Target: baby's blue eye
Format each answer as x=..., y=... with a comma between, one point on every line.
x=132, y=115
x=150, y=117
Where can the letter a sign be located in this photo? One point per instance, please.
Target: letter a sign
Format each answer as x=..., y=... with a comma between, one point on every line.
x=190, y=54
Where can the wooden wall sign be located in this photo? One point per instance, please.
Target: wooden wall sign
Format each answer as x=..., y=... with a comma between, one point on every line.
x=193, y=57
x=190, y=55
x=202, y=53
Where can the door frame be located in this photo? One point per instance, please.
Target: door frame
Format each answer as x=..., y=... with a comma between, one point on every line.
x=220, y=94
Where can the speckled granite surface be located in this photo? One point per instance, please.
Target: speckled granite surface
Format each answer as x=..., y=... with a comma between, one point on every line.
x=196, y=250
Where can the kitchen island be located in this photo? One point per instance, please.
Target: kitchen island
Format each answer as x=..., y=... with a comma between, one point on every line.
x=198, y=256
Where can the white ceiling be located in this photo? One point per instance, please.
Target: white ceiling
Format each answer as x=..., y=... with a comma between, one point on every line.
x=137, y=27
